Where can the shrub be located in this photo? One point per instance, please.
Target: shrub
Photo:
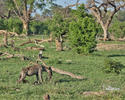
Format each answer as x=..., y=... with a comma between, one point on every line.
x=83, y=32
x=13, y=24
x=2, y=26
x=112, y=66
x=58, y=26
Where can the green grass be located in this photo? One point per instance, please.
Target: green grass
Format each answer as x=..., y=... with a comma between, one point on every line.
x=61, y=87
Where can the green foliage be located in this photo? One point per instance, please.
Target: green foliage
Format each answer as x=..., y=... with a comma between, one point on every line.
x=81, y=12
x=2, y=25
x=58, y=26
x=83, y=32
x=112, y=66
x=12, y=25
x=117, y=29
x=15, y=25
x=37, y=27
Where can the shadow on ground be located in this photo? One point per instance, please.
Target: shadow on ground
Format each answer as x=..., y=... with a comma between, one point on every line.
x=117, y=55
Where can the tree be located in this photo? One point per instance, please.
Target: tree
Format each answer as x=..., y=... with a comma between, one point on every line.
x=58, y=29
x=58, y=25
x=24, y=9
x=82, y=31
x=104, y=10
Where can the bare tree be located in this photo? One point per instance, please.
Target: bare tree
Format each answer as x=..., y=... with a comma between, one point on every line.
x=104, y=10
x=24, y=9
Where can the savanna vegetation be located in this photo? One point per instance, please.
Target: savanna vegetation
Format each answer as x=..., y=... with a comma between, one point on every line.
x=84, y=46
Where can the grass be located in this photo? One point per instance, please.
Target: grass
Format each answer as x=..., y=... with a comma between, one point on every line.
x=61, y=87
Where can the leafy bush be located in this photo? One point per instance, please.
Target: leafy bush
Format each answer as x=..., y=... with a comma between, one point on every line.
x=2, y=26
x=83, y=32
x=112, y=66
x=14, y=25
x=58, y=25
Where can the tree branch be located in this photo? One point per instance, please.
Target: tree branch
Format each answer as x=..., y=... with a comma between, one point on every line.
x=8, y=55
x=6, y=17
x=18, y=11
x=11, y=33
x=30, y=10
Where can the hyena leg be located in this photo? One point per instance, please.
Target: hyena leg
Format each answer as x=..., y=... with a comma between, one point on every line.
x=22, y=77
x=40, y=75
x=49, y=70
x=37, y=77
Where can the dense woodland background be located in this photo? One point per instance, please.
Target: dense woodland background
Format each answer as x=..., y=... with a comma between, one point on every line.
x=42, y=13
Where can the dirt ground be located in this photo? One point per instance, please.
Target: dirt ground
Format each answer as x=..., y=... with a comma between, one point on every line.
x=102, y=46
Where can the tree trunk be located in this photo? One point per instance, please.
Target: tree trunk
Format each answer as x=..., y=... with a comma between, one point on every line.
x=106, y=34
x=26, y=27
x=59, y=45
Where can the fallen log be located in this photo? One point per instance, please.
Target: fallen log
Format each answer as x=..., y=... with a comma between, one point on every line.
x=2, y=45
x=45, y=40
x=62, y=71
x=5, y=38
x=36, y=41
x=35, y=48
x=8, y=55
x=10, y=33
x=28, y=42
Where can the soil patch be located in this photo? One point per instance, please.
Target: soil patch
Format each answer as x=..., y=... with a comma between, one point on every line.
x=102, y=46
